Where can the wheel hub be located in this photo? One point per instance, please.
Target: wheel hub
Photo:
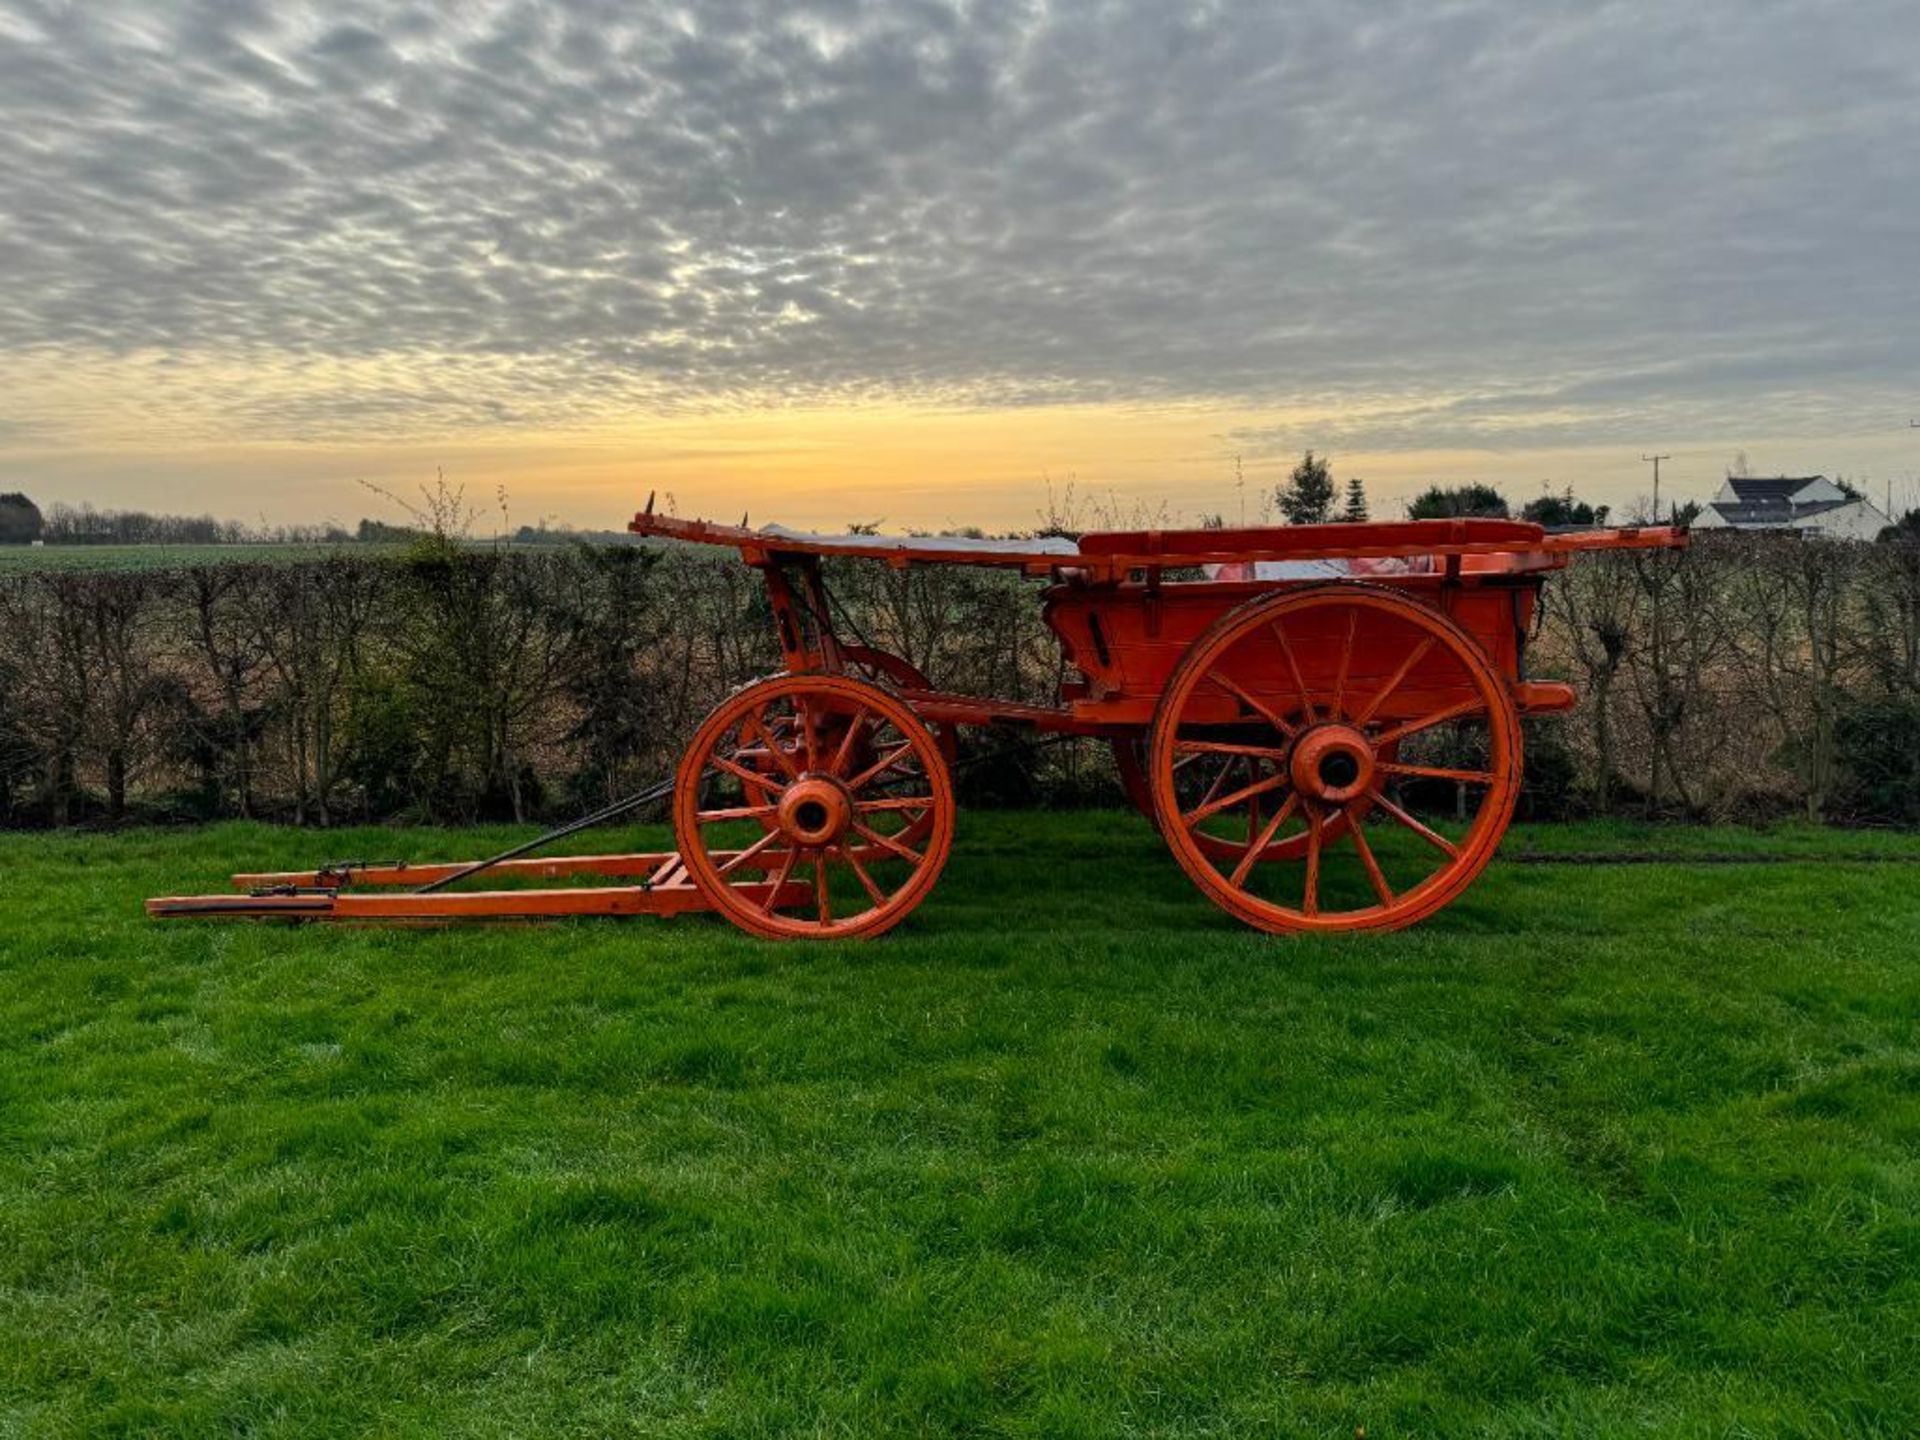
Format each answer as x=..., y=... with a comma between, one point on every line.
x=815, y=811
x=1332, y=764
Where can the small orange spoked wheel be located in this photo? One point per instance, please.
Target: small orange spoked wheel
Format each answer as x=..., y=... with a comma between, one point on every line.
x=1291, y=732
x=813, y=807
x=891, y=673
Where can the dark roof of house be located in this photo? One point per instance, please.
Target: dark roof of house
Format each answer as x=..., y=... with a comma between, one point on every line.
x=1768, y=500
x=1769, y=489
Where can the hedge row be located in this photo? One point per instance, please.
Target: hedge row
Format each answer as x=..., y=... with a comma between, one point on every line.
x=1747, y=676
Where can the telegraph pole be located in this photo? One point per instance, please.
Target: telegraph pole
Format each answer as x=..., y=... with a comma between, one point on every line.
x=1655, y=460
x=1911, y=425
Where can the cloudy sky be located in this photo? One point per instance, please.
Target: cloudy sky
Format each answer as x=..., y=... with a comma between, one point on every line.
x=834, y=260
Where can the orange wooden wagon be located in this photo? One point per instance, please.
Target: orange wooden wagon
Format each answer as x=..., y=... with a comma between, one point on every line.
x=1322, y=721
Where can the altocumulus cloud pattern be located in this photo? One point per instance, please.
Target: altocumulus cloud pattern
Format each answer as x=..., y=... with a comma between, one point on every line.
x=513, y=210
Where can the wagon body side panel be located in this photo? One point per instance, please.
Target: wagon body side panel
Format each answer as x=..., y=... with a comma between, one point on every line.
x=1127, y=641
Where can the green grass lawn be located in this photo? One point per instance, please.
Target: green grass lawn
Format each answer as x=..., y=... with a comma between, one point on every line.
x=1599, y=1150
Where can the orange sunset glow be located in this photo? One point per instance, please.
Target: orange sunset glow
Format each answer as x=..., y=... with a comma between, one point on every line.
x=825, y=265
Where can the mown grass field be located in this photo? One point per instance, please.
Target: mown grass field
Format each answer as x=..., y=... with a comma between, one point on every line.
x=1626, y=1149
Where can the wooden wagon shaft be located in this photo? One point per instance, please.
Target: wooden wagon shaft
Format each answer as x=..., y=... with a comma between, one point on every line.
x=448, y=906
x=333, y=892
x=657, y=868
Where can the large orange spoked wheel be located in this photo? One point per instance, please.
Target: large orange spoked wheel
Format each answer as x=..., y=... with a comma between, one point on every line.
x=813, y=807
x=1332, y=727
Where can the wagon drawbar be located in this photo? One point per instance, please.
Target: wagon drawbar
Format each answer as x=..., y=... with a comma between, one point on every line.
x=1323, y=723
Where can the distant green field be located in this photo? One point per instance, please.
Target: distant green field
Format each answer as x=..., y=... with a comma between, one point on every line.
x=1602, y=1149
x=180, y=557
x=163, y=557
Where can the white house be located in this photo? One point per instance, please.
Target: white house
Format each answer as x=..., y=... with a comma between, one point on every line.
x=1787, y=502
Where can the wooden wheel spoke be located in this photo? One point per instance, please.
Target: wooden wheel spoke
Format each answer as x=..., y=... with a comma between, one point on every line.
x=1245, y=792
x=823, y=903
x=1223, y=747
x=1254, y=851
x=1293, y=665
x=1427, y=833
x=879, y=767
x=752, y=850
x=736, y=812
x=808, y=740
x=874, y=892
x=893, y=802
x=845, y=752
x=1437, y=772
x=752, y=721
x=746, y=776
x=1226, y=769
x=1372, y=866
x=1346, y=663
x=788, y=860
x=1414, y=657
x=1254, y=703
x=1253, y=805
x=887, y=843
x=1439, y=717
x=1310, y=891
